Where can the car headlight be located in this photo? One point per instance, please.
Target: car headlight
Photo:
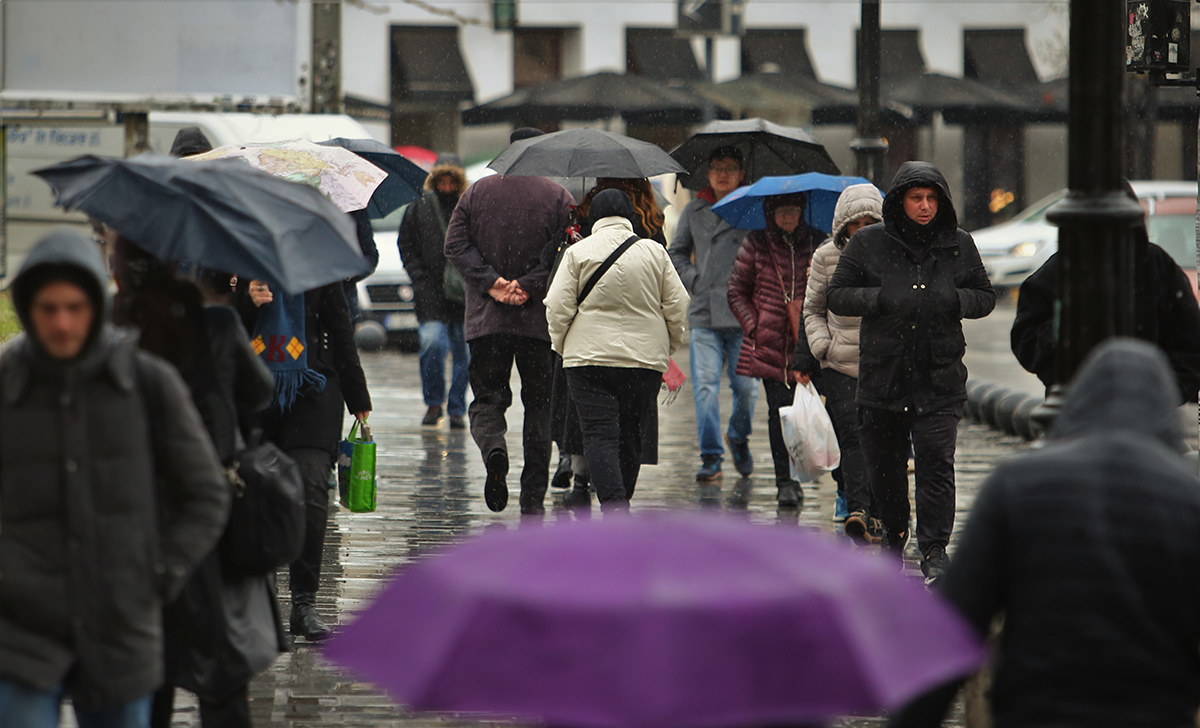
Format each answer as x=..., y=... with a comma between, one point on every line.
x=1025, y=250
x=405, y=293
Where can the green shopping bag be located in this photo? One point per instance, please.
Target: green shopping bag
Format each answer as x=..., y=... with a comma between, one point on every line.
x=356, y=470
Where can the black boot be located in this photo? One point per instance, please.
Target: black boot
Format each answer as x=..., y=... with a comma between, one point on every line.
x=790, y=495
x=305, y=622
x=580, y=496
x=562, y=476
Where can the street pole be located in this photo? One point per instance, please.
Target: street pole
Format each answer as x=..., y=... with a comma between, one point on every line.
x=869, y=146
x=1095, y=220
x=327, y=56
x=137, y=132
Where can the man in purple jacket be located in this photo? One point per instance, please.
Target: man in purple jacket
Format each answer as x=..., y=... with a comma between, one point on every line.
x=495, y=239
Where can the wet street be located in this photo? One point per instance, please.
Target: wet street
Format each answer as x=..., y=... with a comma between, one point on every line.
x=430, y=495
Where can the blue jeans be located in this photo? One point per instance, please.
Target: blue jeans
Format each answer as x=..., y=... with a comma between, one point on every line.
x=437, y=340
x=712, y=350
x=28, y=707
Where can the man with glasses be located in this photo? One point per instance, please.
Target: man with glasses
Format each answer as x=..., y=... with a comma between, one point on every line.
x=703, y=252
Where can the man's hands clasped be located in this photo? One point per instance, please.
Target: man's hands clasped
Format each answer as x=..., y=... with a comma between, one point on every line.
x=510, y=292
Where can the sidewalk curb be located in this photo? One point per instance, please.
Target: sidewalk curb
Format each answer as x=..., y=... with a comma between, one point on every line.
x=1001, y=408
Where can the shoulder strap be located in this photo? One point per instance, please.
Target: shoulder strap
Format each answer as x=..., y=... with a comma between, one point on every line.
x=608, y=263
x=437, y=212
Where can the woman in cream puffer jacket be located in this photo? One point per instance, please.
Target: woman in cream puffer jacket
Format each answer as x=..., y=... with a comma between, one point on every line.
x=833, y=340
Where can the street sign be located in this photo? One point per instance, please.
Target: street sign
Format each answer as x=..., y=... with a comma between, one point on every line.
x=709, y=17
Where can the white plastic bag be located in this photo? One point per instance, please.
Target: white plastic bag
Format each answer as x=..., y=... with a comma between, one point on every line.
x=808, y=434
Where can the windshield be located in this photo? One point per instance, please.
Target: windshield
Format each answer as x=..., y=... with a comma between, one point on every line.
x=1037, y=211
x=1175, y=234
x=391, y=223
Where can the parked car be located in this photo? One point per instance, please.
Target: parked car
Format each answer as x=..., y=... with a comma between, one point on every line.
x=1014, y=249
x=386, y=296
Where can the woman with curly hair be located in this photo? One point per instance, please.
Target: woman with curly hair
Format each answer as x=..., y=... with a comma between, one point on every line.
x=639, y=191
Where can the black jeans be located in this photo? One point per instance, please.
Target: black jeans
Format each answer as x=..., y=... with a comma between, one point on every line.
x=611, y=402
x=490, y=370
x=778, y=395
x=315, y=466
x=839, y=391
x=885, y=439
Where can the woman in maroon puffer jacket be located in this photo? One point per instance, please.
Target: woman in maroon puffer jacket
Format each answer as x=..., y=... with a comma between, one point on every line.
x=771, y=270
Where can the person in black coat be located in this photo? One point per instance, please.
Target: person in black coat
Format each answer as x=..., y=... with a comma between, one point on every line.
x=440, y=311
x=1090, y=549
x=912, y=278
x=1165, y=313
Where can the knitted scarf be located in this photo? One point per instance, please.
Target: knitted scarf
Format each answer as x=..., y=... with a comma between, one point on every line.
x=280, y=342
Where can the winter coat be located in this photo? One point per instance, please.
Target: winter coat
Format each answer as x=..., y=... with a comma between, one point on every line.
x=634, y=317
x=713, y=243
x=912, y=299
x=110, y=493
x=315, y=419
x=223, y=630
x=500, y=229
x=422, y=242
x=1165, y=313
x=1090, y=548
x=756, y=297
x=833, y=339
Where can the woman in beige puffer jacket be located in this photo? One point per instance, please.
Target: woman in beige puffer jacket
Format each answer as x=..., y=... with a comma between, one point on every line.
x=833, y=340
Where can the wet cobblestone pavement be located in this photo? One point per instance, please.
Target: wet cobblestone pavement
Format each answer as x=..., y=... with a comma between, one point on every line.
x=430, y=495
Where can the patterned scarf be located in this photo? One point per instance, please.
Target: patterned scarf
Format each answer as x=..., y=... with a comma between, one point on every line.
x=279, y=341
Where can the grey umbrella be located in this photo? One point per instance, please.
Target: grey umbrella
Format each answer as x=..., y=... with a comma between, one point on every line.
x=222, y=214
x=584, y=153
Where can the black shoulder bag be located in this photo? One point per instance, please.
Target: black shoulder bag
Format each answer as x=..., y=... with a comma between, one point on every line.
x=608, y=263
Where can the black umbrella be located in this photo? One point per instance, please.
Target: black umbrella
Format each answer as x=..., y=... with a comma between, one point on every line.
x=584, y=153
x=768, y=149
x=221, y=214
x=404, y=182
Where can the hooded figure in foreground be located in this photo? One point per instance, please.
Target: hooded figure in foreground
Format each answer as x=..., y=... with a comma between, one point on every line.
x=110, y=494
x=1090, y=548
x=912, y=279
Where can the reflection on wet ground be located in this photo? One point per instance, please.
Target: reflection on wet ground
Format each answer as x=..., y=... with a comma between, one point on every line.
x=430, y=495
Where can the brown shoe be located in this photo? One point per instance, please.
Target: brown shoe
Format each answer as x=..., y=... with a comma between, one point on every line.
x=856, y=527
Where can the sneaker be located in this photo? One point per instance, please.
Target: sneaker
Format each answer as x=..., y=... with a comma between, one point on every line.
x=458, y=422
x=840, y=511
x=895, y=543
x=789, y=495
x=743, y=462
x=710, y=468
x=495, y=490
x=856, y=526
x=934, y=565
x=874, y=530
x=433, y=416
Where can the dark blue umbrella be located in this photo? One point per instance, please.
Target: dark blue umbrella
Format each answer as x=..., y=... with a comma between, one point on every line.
x=222, y=214
x=404, y=182
x=743, y=208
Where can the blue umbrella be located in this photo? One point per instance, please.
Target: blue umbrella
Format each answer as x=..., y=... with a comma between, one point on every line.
x=743, y=208
x=404, y=182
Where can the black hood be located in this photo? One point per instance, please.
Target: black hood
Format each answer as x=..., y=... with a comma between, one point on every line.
x=919, y=174
x=190, y=140
x=63, y=254
x=1125, y=384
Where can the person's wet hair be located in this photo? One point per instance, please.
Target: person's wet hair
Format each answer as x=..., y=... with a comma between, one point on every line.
x=727, y=153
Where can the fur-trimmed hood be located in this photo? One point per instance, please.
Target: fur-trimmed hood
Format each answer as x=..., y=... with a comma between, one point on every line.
x=458, y=173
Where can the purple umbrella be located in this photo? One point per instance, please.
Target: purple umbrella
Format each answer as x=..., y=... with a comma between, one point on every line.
x=656, y=621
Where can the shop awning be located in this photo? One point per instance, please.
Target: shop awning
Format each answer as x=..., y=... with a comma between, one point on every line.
x=777, y=50
x=659, y=54
x=428, y=67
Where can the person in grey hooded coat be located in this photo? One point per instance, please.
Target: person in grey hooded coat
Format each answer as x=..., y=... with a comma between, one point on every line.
x=110, y=494
x=1090, y=549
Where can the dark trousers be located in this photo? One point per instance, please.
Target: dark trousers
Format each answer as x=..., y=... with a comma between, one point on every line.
x=492, y=359
x=612, y=402
x=839, y=391
x=885, y=439
x=778, y=395
x=305, y=574
x=231, y=711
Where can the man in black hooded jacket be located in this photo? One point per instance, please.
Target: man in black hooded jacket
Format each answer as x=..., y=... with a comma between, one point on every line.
x=912, y=278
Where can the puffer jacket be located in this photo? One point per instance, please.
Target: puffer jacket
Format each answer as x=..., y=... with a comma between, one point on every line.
x=110, y=494
x=912, y=298
x=833, y=339
x=764, y=266
x=636, y=314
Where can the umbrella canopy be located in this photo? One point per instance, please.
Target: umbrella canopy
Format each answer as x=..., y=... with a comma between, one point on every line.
x=404, y=182
x=653, y=622
x=341, y=175
x=768, y=149
x=584, y=153
x=592, y=98
x=743, y=208
x=220, y=214
x=422, y=157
